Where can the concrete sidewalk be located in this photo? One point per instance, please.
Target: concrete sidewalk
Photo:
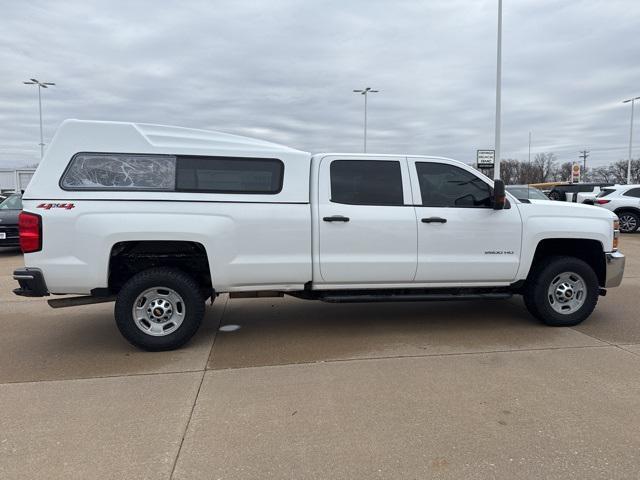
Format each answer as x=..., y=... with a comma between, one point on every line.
x=294, y=389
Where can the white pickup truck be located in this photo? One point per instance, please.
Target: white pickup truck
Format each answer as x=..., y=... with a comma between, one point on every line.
x=161, y=219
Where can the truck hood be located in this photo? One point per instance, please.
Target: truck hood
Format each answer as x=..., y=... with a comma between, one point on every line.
x=565, y=209
x=10, y=217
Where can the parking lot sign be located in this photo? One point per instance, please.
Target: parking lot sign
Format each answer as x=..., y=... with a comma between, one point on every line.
x=486, y=158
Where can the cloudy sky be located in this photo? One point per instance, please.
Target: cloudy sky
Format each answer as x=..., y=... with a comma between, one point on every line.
x=284, y=70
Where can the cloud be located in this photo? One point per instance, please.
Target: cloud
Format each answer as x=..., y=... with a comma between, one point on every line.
x=284, y=71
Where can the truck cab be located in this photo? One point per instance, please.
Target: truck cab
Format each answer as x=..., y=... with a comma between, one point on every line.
x=434, y=222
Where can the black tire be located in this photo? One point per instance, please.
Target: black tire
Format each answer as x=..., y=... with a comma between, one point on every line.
x=536, y=291
x=164, y=279
x=629, y=221
x=555, y=195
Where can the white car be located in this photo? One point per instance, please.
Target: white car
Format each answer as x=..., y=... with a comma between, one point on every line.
x=160, y=219
x=624, y=201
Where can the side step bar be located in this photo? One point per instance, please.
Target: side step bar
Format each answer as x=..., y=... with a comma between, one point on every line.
x=76, y=301
x=413, y=297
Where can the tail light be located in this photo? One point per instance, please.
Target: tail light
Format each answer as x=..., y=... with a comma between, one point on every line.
x=616, y=234
x=601, y=201
x=30, y=226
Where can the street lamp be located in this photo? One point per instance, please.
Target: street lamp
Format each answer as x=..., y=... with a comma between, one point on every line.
x=496, y=168
x=633, y=101
x=40, y=85
x=366, y=93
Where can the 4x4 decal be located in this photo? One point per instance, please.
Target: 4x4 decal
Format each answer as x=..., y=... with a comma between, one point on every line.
x=49, y=206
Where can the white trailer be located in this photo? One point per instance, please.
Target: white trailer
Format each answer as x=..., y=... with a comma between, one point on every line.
x=12, y=180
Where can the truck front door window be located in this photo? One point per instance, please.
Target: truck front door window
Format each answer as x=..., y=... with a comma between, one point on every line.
x=444, y=185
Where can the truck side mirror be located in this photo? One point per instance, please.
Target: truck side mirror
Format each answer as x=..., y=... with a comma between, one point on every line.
x=499, y=196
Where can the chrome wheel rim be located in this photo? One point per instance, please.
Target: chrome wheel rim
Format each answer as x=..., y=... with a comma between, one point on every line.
x=158, y=311
x=567, y=293
x=628, y=223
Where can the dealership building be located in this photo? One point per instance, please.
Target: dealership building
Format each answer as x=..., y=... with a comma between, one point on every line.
x=15, y=180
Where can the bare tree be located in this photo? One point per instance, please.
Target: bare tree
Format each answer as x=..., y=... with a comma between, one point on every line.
x=545, y=163
x=563, y=172
x=604, y=174
x=510, y=171
x=545, y=168
x=619, y=171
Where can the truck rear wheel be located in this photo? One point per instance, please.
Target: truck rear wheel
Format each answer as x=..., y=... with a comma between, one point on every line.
x=562, y=291
x=159, y=309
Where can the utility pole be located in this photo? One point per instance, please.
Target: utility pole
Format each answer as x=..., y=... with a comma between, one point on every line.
x=529, y=147
x=40, y=85
x=632, y=100
x=365, y=92
x=496, y=170
x=584, y=154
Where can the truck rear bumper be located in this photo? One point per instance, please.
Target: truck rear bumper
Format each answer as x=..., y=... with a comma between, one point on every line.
x=615, y=269
x=31, y=282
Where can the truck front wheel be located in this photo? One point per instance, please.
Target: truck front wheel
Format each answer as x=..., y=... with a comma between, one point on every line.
x=561, y=291
x=159, y=309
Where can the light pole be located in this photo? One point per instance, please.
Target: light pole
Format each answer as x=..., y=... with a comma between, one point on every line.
x=366, y=93
x=40, y=85
x=496, y=169
x=633, y=101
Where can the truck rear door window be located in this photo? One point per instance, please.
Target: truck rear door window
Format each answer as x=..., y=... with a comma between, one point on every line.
x=366, y=182
x=444, y=185
x=229, y=175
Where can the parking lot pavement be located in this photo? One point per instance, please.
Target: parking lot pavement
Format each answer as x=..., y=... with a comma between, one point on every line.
x=559, y=413
x=40, y=343
x=125, y=427
x=294, y=389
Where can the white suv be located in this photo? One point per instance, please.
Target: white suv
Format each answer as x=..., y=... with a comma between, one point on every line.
x=624, y=201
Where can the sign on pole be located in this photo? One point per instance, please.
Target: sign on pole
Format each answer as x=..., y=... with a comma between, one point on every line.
x=575, y=173
x=486, y=158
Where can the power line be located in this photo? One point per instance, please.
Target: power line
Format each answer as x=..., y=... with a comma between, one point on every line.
x=584, y=154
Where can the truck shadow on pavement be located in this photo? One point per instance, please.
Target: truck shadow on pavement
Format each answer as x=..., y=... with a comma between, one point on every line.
x=281, y=331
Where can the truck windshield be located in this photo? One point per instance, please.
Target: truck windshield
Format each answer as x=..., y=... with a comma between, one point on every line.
x=14, y=202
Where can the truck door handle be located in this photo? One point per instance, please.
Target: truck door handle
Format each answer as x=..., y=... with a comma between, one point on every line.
x=434, y=220
x=336, y=218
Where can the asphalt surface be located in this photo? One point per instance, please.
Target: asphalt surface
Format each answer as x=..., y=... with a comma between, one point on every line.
x=283, y=388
